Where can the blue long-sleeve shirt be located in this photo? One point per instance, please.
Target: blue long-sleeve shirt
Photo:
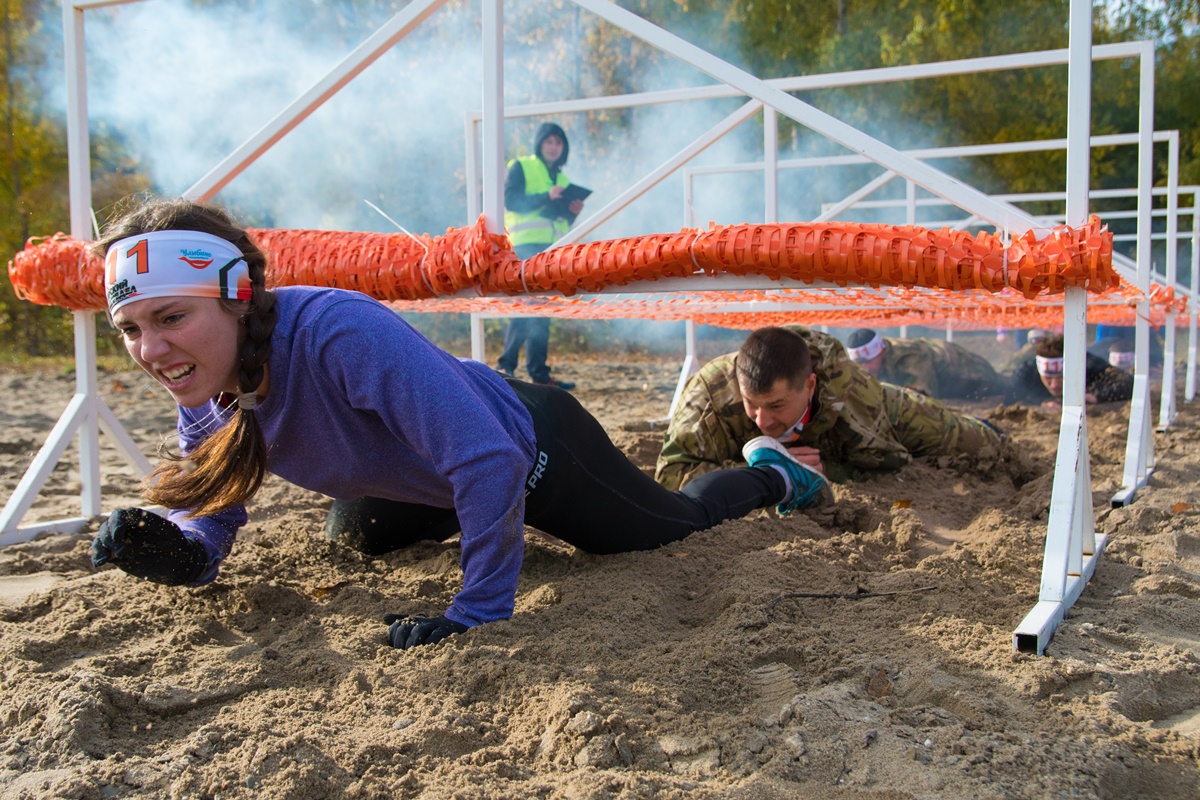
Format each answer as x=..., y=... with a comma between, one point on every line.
x=361, y=404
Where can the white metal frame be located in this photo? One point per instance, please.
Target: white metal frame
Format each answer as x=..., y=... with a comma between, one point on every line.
x=87, y=412
x=1070, y=540
x=1140, y=443
x=1072, y=548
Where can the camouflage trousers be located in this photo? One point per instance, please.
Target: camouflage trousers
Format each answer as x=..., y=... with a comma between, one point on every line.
x=927, y=428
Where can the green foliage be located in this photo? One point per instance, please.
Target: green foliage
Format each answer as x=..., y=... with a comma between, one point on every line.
x=33, y=178
x=778, y=38
x=555, y=50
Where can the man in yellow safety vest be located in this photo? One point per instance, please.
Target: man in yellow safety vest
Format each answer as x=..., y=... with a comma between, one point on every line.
x=535, y=217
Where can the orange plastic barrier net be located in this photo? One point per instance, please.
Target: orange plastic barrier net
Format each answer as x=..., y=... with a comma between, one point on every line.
x=59, y=270
x=844, y=254
x=387, y=266
x=962, y=319
x=969, y=310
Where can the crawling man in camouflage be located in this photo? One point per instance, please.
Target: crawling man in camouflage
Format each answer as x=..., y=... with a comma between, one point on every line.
x=938, y=368
x=800, y=388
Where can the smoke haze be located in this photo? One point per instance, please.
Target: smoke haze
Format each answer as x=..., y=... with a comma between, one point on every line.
x=204, y=79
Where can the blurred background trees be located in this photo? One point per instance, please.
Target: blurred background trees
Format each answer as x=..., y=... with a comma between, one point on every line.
x=554, y=50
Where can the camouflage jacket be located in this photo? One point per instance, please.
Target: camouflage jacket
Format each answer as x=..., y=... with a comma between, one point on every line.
x=858, y=423
x=1107, y=383
x=939, y=369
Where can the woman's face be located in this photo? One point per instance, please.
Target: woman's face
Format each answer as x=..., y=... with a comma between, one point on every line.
x=189, y=344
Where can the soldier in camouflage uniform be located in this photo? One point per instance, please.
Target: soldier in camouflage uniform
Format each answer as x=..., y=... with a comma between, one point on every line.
x=1039, y=379
x=936, y=367
x=831, y=414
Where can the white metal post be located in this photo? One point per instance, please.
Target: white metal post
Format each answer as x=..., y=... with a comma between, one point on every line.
x=1166, y=413
x=493, y=114
x=1189, y=392
x=1139, y=447
x=1071, y=550
x=691, y=364
x=493, y=139
x=80, y=414
x=80, y=198
x=87, y=388
x=689, y=208
x=471, y=171
x=770, y=165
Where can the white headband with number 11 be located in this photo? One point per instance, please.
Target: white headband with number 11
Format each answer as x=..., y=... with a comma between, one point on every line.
x=174, y=263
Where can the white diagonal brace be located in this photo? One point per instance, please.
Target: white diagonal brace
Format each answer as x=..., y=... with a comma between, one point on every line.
x=852, y=198
x=660, y=173
x=998, y=213
x=346, y=70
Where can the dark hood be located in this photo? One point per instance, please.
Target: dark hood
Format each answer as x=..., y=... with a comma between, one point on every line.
x=550, y=129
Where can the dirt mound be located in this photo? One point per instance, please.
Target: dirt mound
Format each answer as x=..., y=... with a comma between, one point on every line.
x=858, y=651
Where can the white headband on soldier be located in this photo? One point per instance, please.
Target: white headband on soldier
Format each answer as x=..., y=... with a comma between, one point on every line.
x=867, y=351
x=173, y=263
x=1049, y=367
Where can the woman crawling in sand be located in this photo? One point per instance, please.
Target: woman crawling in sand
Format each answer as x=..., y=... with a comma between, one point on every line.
x=333, y=392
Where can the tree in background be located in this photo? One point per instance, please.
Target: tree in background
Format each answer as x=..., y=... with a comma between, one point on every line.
x=554, y=50
x=578, y=55
x=33, y=193
x=33, y=182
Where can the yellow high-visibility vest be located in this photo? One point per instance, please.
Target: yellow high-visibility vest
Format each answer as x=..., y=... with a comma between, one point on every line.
x=530, y=227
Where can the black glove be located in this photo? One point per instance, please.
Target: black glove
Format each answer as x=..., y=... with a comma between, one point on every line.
x=406, y=632
x=148, y=546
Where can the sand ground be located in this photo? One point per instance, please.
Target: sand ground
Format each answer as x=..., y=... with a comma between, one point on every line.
x=690, y=671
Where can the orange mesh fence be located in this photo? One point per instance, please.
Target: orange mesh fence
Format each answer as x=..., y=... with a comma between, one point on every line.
x=387, y=266
x=837, y=307
x=59, y=271
x=844, y=254
x=963, y=319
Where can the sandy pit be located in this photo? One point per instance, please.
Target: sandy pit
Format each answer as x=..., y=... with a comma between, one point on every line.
x=692, y=671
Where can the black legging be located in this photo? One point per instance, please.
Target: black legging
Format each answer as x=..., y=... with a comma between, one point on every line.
x=587, y=493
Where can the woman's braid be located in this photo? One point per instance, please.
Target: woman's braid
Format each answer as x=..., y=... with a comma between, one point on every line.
x=260, y=324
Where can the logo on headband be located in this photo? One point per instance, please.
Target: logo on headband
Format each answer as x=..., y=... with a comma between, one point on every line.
x=198, y=259
x=120, y=291
x=171, y=263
